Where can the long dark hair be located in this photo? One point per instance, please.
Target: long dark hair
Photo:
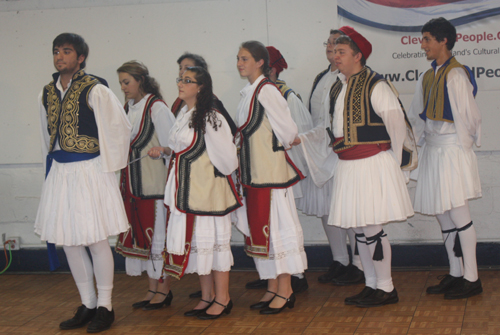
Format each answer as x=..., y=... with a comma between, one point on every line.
x=140, y=73
x=204, y=101
x=258, y=52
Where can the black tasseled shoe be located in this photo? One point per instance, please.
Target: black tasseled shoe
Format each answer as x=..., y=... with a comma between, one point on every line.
x=102, y=320
x=445, y=285
x=379, y=298
x=335, y=270
x=353, y=300
x=464, y=289
x=82, y=316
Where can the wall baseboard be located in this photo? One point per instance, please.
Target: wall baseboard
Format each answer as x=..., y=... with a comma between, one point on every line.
x=319, y=258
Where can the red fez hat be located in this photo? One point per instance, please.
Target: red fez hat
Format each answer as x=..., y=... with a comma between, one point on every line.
x=276, y=59
x=361, y=42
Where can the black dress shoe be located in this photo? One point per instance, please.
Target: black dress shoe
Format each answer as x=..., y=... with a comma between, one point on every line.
x=227, y=310
x=290, y=303
x=464, y=289
x=263, y=304
x=445, y=285
x=352, y=276
x=259, y=283
x=353, y=300
x=196, y=312
x=196, y=294
x=335, y=270
x=379, y=298
x=299, y=285
x=82, y=316
x=102, y=320
x=141, y=304
x=166, y=302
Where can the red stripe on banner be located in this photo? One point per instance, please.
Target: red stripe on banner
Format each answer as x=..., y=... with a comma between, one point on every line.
x=412, y=3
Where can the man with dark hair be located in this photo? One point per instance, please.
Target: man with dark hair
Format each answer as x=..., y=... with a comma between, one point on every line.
x=369, y=189
x=85, y=137
x=447, y=121
x=317, y=200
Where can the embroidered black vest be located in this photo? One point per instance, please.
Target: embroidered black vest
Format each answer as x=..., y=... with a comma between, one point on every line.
x=72, y=120
x=361, y=124
x=202, y=189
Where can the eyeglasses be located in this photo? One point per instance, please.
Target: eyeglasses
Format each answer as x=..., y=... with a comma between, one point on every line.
x=185, y=81
x=327, y=43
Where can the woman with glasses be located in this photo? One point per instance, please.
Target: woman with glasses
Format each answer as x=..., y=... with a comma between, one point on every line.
x=143, y=182
x=200, y=194
x=273, y=232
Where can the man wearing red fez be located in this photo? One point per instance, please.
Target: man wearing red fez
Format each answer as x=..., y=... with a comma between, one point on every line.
x=447, y=121
x=302, y=118
x=368, y=129
x=317, y=200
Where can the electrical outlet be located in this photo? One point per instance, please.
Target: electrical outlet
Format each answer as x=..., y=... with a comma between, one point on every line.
x=14, y=243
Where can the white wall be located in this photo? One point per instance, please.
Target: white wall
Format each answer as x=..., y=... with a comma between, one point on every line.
x=157, y=33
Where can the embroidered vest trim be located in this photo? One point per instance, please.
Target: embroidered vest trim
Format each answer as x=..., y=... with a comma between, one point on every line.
x=146, y=176
x=434, y=85
x=72, y=120
x=201, y=188
x=285, y=90
x=259, y=144
x=361, y=124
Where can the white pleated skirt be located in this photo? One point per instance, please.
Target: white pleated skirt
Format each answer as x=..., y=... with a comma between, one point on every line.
x=154, y=265
x=369, y=191
x=315, y=201
x=286, y=240
x=448, y=175
x=210, y=245
x=80, y=204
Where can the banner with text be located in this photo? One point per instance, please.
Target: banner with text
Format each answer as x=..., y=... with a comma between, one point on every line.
x=393, y=27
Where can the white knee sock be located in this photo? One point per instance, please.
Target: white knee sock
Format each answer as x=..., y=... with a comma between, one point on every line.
x=456, y=265
x=356, y=261
x=104, y=268
x=468, y=240
x=382, y=267
x=366, y=259
x=81, y=269
x=337, y=239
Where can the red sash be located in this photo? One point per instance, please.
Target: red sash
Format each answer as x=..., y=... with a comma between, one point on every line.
x=258, y=213
x=175, y=265
x=136, y=241
x=361, y=151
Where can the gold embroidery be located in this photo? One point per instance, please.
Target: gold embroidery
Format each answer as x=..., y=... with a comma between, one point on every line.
x=68, y=114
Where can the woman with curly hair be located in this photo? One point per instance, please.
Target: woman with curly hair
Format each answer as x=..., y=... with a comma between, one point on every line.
x=200, y=194
x=269, y=222
x=143, y=182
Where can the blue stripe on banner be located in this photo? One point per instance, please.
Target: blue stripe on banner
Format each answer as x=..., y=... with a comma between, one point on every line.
x=456, y=22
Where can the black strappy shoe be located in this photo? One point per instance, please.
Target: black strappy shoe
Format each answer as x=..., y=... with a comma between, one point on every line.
x=196, y=312
x=141, y=304
x=263, y=304
x=227, y=310
x=166, y=302
x=290, y=302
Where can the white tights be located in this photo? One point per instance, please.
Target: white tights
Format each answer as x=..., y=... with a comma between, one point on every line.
x=83, y=273
x=377, y=273
x=457, y=218
x=337, y=240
